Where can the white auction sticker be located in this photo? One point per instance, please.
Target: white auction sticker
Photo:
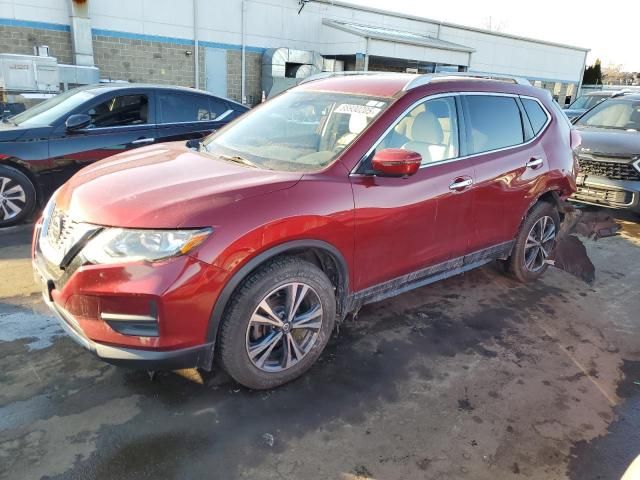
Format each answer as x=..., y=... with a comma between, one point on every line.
x=361, y=109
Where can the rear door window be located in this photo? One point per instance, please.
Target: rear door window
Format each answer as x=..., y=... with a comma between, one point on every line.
x=217, y=108
x=184, y=107
x=537, y=115
x=494, y=122
x=120, y=111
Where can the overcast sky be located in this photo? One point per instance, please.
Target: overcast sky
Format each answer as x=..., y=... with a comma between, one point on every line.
x=610, y=30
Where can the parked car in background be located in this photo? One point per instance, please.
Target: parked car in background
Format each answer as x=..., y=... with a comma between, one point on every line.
x=587, y=101
x=334, y=194
x=45, y=145
x=610, y=154
x=9, y=109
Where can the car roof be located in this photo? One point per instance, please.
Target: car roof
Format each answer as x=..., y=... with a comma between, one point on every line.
x=601, y=93
x=101, y=88
x=395, y=84
x=374, y=84
x=628, y=96
x=635, y=96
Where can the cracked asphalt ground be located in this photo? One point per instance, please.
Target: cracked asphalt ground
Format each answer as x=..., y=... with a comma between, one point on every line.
x=474, y=377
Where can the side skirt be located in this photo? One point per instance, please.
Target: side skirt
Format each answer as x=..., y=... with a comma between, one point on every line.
x=428, y=275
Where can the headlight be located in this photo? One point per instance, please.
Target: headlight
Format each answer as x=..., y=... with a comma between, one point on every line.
x=118, y=245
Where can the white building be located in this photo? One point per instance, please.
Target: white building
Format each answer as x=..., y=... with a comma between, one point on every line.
x=159, y=40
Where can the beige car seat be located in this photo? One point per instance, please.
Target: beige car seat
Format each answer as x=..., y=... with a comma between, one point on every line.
x=427, y=138
x=357, y=123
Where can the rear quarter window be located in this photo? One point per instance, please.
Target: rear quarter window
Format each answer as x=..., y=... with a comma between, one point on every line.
x=184, y=107
x=537, y=115
x=494, y=122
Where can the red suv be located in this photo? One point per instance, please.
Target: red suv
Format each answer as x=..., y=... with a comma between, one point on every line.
x=340, y=192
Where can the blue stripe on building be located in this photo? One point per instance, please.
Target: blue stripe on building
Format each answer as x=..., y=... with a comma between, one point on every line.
x=127, y=35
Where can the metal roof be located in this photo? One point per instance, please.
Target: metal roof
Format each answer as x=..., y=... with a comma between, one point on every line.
x=363, y=8
x=393, y=35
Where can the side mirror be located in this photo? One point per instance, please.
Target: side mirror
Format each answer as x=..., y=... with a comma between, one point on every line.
x=396, y=162
x=78, y=121
x=193, y=143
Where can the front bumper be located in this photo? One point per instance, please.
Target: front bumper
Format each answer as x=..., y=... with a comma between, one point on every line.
x=149, y=316
x=132, y=357
x=602, y=191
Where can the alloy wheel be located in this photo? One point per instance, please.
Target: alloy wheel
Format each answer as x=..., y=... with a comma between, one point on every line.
x=539, y=243
x=284, y=327
x=13, y=198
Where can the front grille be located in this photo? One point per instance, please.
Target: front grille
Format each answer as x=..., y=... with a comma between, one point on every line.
x=60, y=232
x=620, y=197
x=609, y=169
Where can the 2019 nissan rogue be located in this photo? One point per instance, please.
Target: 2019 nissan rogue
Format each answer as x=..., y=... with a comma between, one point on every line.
x=339, y=192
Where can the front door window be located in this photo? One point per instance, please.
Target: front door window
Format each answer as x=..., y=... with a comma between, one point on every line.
x=430, y=129
x=120, y=111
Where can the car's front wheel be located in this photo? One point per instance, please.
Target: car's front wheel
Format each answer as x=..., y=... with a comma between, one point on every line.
x=277, y=324
x=535, y=242
x=17, y=196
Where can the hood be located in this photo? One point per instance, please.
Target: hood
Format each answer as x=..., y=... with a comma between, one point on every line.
x=617, y=143
x=163, y=186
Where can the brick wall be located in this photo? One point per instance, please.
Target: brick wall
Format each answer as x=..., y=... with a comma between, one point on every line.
x=253, y=71
x=144, y=61
x=22, y=40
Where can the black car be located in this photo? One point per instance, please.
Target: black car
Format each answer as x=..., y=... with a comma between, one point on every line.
x=10, y=109
x=609, y=155
x=45, y=145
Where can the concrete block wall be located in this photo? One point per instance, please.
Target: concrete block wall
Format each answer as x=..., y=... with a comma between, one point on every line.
x=21, y=40
x=253, y=71
x=146, y=61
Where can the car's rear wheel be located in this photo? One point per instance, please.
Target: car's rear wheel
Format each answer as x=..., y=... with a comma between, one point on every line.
x=17, y=196
x=277, y=323
x=535, y=242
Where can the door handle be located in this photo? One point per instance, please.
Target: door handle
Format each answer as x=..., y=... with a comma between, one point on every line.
x=534, y=163
x=141, y=141
x=461, y=184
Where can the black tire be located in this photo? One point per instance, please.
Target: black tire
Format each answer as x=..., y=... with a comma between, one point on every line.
x=516, y=264
x=15, y=207
x=233, y=346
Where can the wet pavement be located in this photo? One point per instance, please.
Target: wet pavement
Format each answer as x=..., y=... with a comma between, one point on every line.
x=474, y=377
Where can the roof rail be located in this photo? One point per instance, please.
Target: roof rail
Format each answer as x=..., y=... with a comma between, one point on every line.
x=623, y=92
x=347, y=73
x=420, y=80
x=429, y=77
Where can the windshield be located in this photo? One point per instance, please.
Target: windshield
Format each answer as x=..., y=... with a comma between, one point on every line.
x=585, y=102
x=49, y=111
x=296, y=131
x=618, y=114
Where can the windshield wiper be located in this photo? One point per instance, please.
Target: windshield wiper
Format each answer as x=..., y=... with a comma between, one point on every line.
x=8, y=120
x=240, y=160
